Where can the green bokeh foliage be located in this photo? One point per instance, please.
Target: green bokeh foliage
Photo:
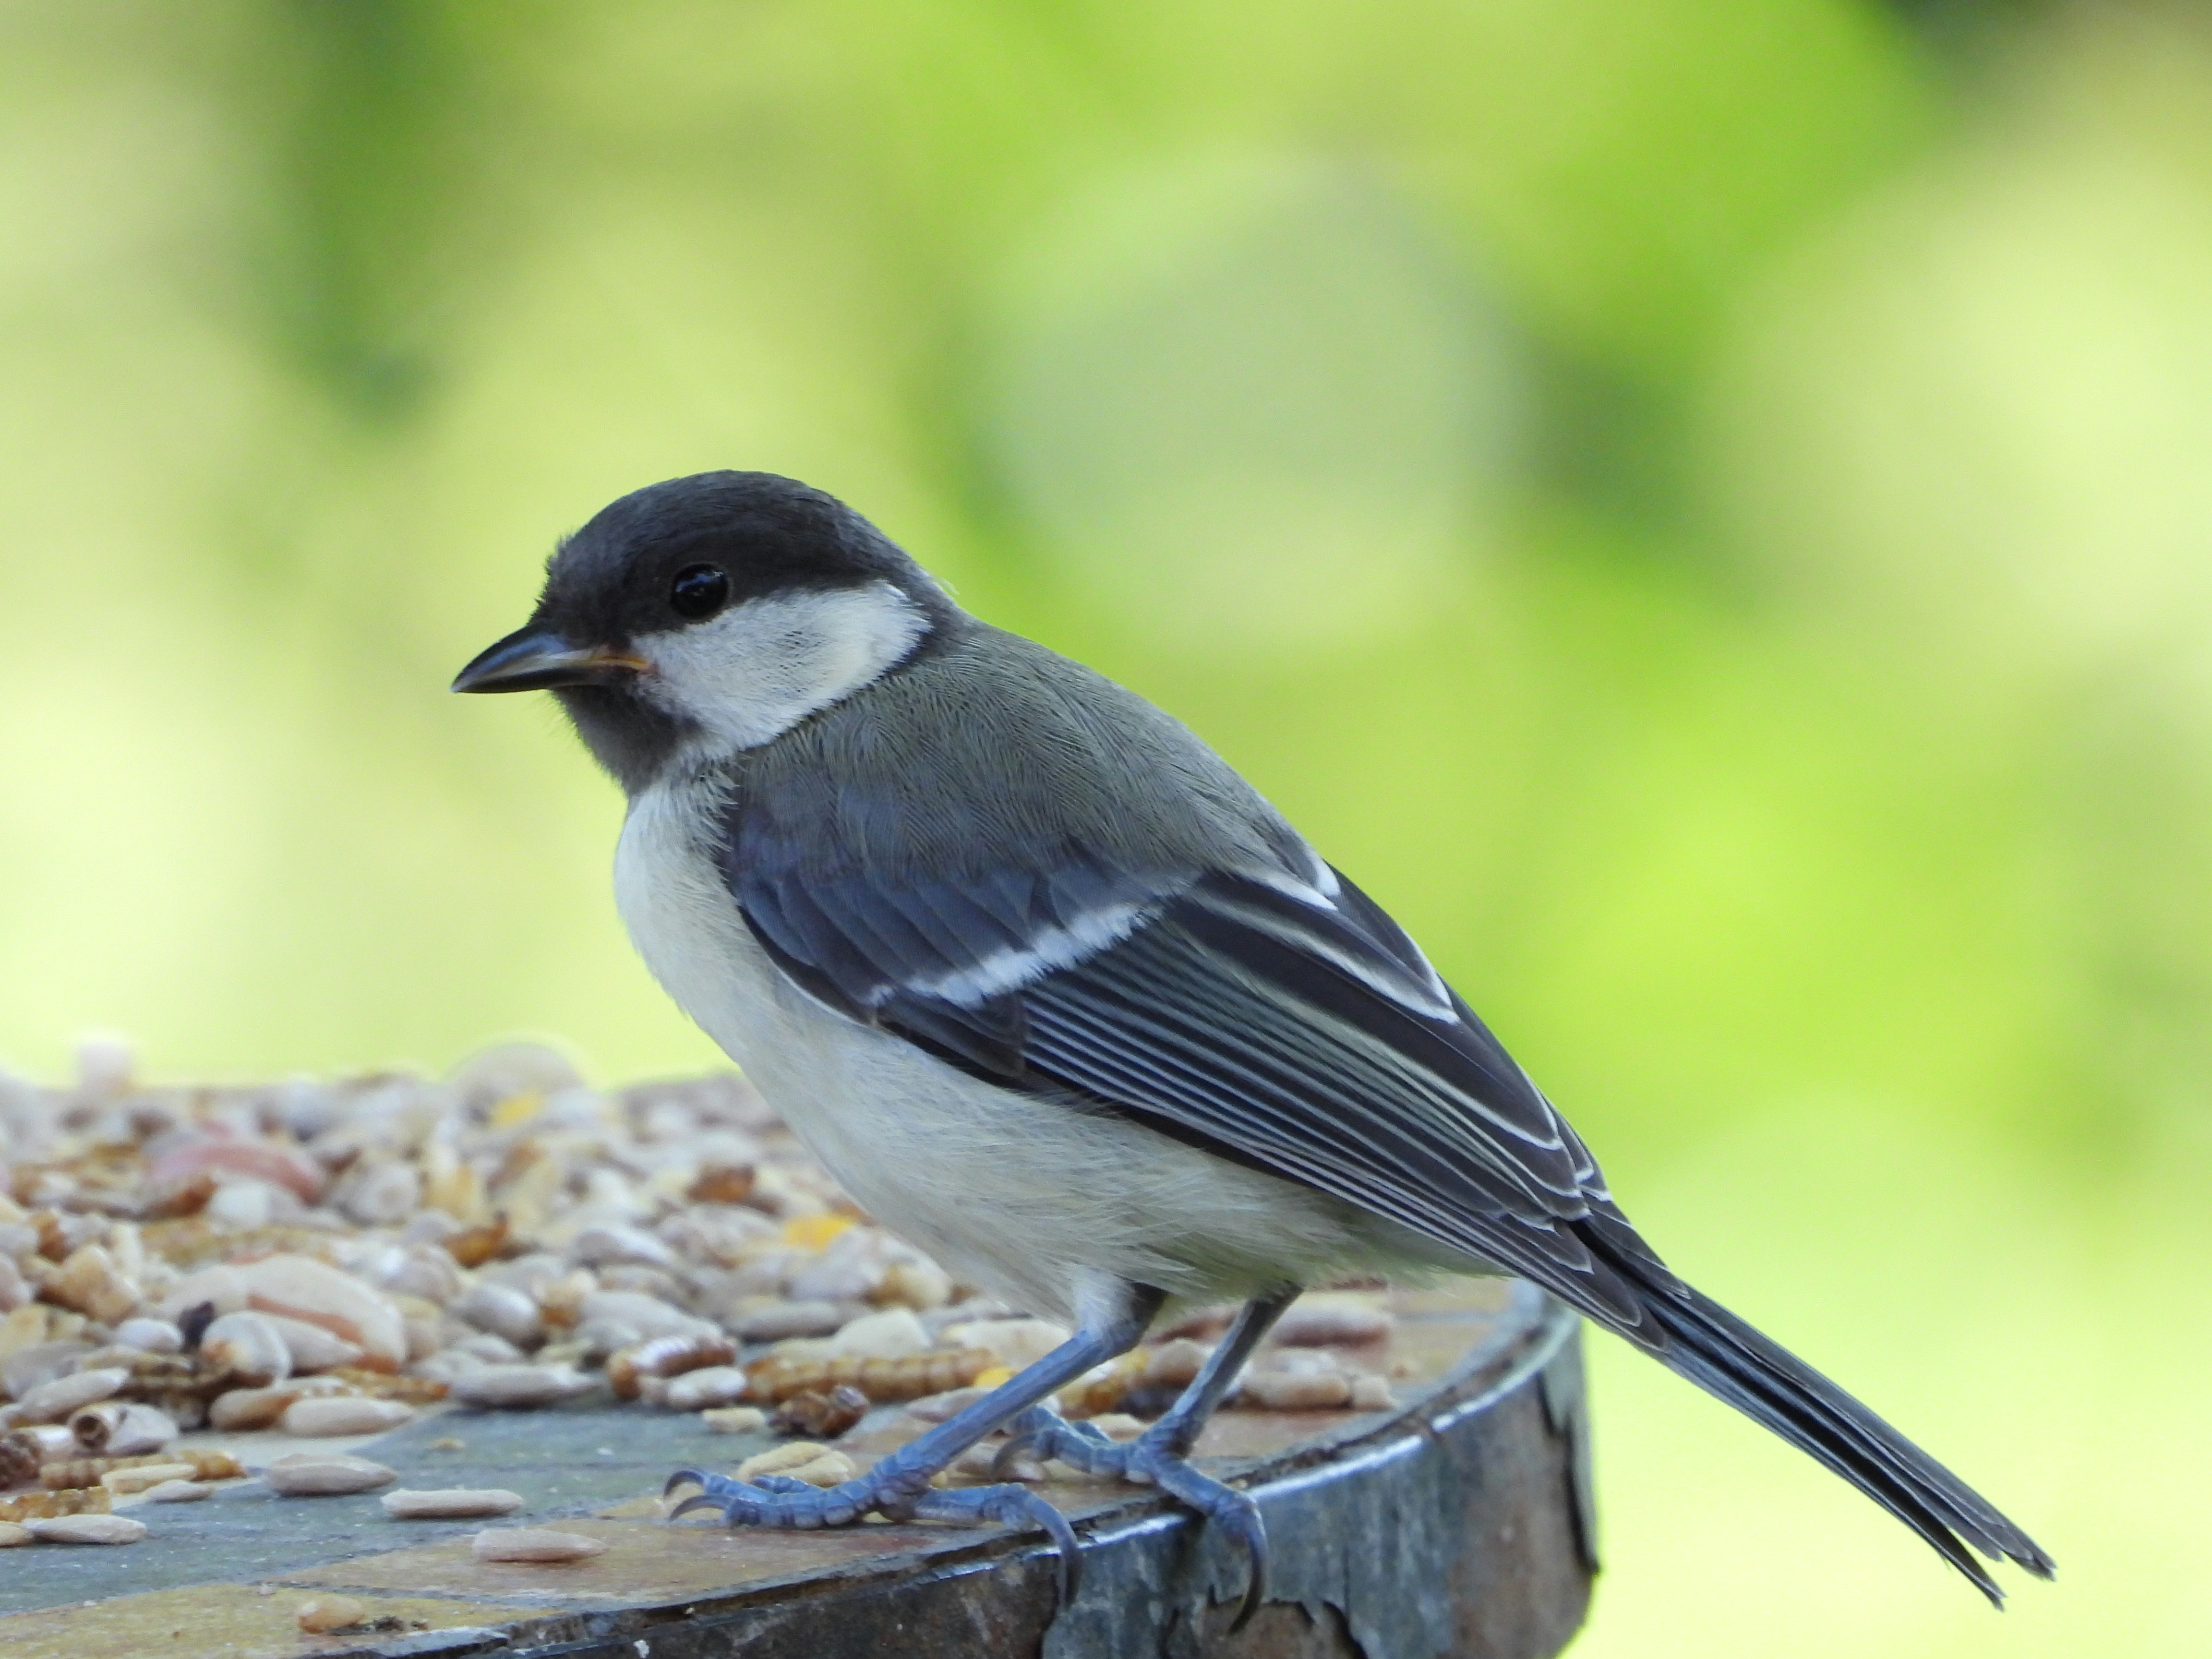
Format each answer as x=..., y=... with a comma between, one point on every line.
x=1850, y=898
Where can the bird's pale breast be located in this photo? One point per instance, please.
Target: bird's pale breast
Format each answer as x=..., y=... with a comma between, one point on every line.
x=1028, y=1199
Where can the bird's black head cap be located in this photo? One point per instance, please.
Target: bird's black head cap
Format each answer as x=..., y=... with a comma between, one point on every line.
x=670, y=555
x=615, y=579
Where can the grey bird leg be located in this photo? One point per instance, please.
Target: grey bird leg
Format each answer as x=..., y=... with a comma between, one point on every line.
x=1161, y=1456
x=898, y=1487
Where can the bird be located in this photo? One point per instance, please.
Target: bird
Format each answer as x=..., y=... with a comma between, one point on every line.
x=1059, y=997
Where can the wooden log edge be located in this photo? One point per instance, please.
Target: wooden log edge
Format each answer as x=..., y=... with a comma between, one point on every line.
x=1463, y=1525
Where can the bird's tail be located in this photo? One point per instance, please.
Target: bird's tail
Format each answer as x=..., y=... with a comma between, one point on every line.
x=1702, y=1340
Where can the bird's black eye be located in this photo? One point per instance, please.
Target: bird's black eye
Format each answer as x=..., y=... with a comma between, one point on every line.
x=699, y=590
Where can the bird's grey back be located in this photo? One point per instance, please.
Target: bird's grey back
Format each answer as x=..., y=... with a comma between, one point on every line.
x=989, y=747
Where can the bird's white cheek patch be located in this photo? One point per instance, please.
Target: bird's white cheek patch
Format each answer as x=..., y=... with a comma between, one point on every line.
x=760, y=667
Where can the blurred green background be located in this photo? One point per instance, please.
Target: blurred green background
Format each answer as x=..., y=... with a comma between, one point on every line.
x=1701, y=507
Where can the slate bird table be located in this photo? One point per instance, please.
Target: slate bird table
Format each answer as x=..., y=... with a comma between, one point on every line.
x=1457, y=1523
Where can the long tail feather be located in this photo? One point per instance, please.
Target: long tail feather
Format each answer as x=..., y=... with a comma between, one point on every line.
x=1702, y=1340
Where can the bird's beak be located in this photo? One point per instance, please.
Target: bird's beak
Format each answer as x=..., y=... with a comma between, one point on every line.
x=531, y=659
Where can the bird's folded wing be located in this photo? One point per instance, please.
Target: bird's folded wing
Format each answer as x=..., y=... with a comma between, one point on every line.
x=1283, y=1021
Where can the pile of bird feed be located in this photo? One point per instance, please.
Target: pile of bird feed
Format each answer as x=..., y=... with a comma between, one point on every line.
x=332, y=1258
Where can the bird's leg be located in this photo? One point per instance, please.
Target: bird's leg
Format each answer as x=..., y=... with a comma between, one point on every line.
x=898, y=1485
x=1161, y=1456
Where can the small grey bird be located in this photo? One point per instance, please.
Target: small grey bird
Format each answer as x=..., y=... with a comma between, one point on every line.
x=1059, y=998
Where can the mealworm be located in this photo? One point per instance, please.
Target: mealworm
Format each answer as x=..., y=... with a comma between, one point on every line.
x=910, y=1377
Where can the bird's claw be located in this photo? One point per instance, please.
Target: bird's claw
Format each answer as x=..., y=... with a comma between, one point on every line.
x=774, y=1500
x=1158, y=1457
x=1009, y=1505
x=767, y=1500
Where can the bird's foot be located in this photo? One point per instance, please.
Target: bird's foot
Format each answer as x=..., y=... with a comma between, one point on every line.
x=892, y=1489
x=1159, y=1458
